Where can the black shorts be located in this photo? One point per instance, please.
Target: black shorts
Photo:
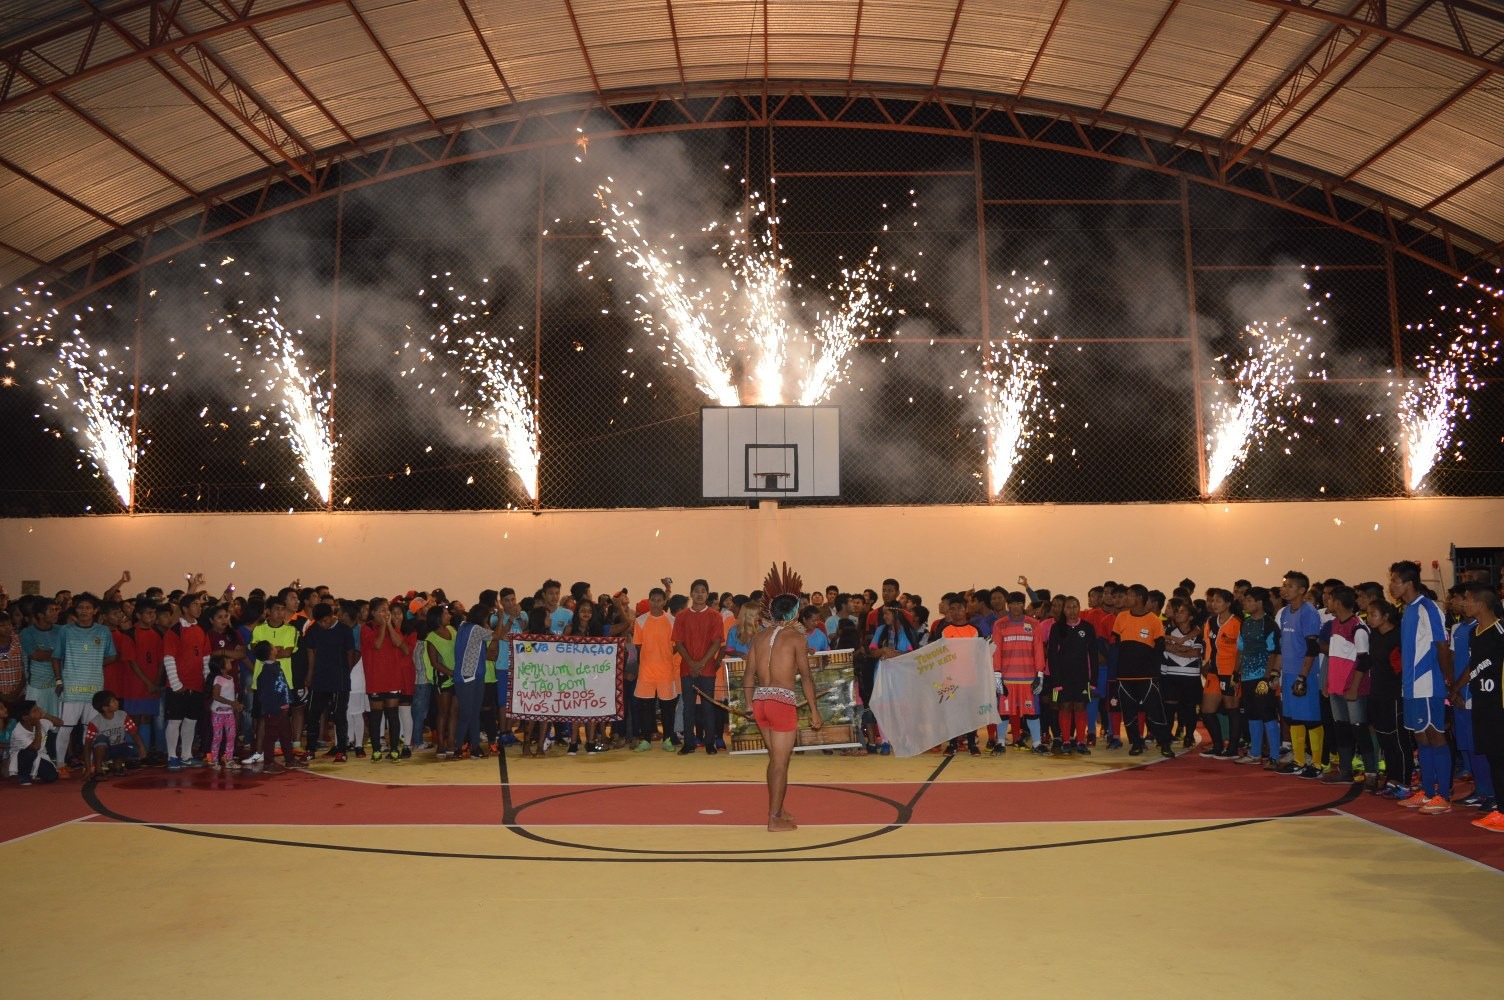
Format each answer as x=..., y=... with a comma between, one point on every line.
x=385, y=696
x=1259, y=707
x=297, y=697
x=488, y=696
x=1181, y=690
x=184, y=704
x=1073, y=682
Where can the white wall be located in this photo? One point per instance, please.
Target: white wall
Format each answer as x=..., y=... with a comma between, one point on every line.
x=929, y=549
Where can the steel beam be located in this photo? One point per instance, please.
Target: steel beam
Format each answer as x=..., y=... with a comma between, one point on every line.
x=865, y=111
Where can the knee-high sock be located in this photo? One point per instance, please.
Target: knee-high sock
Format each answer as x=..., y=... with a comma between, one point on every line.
x=1363, y=737
x=393, y=730
x=1213, y=729
x=992, y=731
x=1065, y=723
x=1440, y=771
x=375, y=730
x=1033, y=725
x=1271, y=736
x=1234, y=727
x=1342, y=740
x=1298, y=743
x=1317, y=735
x=405, y=724
x=1091, y=719
x=174, y=727
x=1427, y=770
x=1256, y=740
x=189, y=726
x=1016, y=726
x=1483, y=775
x=1083, y=724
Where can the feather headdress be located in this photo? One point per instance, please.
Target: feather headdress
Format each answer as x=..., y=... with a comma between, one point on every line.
x=777, y=583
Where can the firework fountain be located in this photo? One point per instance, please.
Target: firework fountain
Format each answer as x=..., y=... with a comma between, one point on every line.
x=1264, y=399
x=84, y=383
x=503, y=405
x=1432, y=404
x=1011, y=381
x=751, y=313
x=301, y=405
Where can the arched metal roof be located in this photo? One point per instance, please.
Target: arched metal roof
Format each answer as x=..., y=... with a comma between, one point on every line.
x=115, y=116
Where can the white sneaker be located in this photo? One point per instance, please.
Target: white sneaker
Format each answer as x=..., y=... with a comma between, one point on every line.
x=1246, y=759
x=255, y=758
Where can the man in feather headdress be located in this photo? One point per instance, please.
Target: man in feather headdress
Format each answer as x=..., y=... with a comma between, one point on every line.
x=775, y=656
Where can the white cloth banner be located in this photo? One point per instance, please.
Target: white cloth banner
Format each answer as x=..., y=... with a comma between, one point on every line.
x=934, y=694
x=565, y=679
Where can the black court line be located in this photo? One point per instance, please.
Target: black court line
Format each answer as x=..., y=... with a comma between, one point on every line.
x=91, y=798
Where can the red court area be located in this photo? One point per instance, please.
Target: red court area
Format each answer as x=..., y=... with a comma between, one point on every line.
x=1187, y=789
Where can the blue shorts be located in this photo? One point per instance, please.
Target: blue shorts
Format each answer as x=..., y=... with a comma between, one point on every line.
x=1426, y=713
x=1305, y=709
x=142, y=706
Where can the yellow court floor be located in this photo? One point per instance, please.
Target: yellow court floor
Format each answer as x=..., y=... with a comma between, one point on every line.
x=854, y=904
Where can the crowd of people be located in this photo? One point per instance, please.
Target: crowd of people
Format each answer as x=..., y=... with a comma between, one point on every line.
x=1375, y=682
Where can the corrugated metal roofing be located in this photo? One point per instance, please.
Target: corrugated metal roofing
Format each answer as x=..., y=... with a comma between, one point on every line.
x=548, y=49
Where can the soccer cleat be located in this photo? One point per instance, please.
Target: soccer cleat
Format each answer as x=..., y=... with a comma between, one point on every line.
x=670, y=745
x=1286, y=767
x=1114, y=744
x=360, y=751
x=997, y=749
x=711, y=751
x=339, y=757
x=1435, y=806
x=1228, y=753
x=1246, y=759
x=1166, y=752
x=684, y=751
x=394, y=756
x=1270, y=764
x=1214, y=752
x=407, y=752
x=1135, y=751
x=173, y=764
x=1412, y=800
x=1310, y=772
x=255, y=758
x=1332, y=776
x=950, y=749
x=640, y=747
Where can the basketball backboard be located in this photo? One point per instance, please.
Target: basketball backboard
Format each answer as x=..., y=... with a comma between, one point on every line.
x=770, y=452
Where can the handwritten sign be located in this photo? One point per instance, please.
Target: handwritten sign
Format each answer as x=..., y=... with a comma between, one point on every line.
x=559, y=679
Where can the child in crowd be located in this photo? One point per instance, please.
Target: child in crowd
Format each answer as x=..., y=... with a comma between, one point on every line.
x=223, y=711
x=274, y=701
x=29, y=756
x=111, y=739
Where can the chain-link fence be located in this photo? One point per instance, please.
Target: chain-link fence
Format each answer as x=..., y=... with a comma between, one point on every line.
x=399, y=293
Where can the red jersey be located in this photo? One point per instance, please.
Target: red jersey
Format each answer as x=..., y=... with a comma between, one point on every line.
x=118, y=676
x=185, y=654
x=143, y=646
x=699, y=631
x=1018, y=649
x=384, y=664
x=1102, y=621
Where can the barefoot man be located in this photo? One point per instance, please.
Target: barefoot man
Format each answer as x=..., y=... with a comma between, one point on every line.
x=776, y=655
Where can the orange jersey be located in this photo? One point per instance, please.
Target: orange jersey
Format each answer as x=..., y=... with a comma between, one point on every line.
x=657, y=661
x=1224, y=641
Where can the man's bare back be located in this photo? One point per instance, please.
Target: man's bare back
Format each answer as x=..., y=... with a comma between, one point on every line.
x=775, y=656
